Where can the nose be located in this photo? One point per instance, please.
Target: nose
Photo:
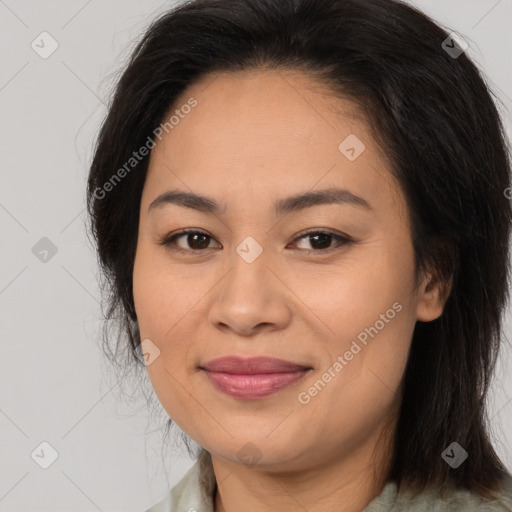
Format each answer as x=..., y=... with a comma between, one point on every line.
x=250, y=299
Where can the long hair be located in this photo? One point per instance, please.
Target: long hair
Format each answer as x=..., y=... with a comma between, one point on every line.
x=434, y=118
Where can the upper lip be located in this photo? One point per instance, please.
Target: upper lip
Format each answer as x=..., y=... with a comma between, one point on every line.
x=252, y=365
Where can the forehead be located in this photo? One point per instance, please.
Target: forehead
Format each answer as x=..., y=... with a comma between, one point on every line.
x=271, y=105
x=261, y=129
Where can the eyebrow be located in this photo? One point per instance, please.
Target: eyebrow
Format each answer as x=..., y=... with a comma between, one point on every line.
x=281, y=206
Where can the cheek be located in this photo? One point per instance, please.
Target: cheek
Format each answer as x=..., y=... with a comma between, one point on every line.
x=160, y=314
x=366, y=312
x=167, y=302
x=351, y=296
x=363, y=372
x=162, y=293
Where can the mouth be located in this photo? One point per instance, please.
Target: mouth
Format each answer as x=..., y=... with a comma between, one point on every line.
x=253, y=378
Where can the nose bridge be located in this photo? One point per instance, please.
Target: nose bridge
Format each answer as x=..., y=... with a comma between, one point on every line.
x=249, y=272
x=249, y=295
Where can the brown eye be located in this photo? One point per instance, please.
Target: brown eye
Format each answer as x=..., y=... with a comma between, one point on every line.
x=321, y=241
x=194, y=241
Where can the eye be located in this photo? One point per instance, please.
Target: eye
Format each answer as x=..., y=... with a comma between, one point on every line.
x=197, y=241
x=321, y=241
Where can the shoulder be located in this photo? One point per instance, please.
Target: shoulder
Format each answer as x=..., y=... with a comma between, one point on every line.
x=454, y=500
x=194, y=492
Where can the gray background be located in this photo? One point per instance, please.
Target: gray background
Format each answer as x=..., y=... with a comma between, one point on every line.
x=55, y=383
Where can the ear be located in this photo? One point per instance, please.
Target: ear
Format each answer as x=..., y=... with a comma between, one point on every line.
x=432, y=296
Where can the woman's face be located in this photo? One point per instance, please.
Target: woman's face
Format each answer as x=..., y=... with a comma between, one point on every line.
x=275, y=282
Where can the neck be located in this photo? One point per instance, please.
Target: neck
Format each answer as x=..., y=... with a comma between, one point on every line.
x=343, y=482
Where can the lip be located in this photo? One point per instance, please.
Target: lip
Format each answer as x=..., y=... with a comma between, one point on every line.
x=252, y=365
x=253, y=378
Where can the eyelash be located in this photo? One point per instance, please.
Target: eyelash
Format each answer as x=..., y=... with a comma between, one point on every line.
x=169, y=240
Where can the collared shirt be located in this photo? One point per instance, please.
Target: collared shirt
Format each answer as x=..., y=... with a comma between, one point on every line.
x=195, y=492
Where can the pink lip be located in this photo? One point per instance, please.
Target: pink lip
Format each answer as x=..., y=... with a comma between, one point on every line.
x=252, y=365
x=253, y=378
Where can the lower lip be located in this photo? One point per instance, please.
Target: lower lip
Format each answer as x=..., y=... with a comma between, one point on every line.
x=252, y=387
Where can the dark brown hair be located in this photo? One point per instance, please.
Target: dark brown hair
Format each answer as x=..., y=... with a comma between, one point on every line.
x=435, y=120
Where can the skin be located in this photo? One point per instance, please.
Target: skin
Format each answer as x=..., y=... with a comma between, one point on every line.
x=255, y=137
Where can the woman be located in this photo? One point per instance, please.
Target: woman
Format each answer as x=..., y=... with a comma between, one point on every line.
x=301, y=209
